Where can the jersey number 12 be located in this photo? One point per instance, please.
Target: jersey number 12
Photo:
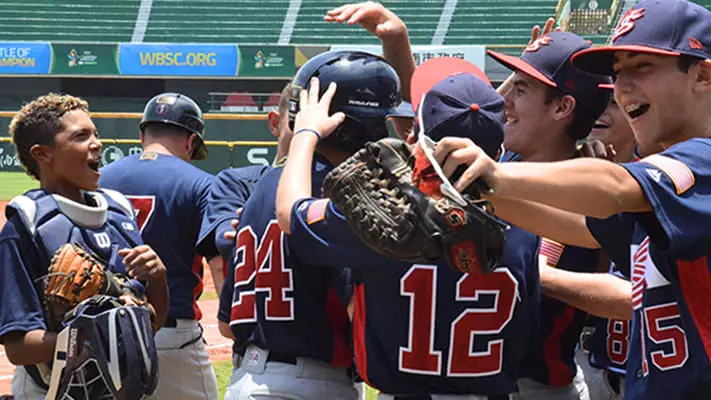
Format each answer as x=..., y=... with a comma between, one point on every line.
x=479, y=325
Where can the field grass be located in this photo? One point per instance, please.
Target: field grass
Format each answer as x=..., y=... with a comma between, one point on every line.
x=223, y=371
x=15, y=183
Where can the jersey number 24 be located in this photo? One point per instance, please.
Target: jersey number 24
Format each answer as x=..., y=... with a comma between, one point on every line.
x=420, y=356
x=260, y=268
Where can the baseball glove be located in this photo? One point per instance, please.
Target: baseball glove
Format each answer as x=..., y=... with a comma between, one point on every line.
x=374, y=190
x=74, y=275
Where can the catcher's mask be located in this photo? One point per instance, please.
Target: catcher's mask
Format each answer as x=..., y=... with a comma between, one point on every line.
x=368, y=93
x=106, y=351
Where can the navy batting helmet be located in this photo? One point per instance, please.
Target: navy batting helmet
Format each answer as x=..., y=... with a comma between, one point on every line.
x=178, y=110
x=106, y=351
x=368, y=93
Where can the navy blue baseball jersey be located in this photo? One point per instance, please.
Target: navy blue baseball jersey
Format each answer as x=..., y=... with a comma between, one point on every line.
x=670, y=345
x=551, y=356
x=280, y=302
x=169, y=196
x=228, y=193
x=38, y=224
x=421, y=329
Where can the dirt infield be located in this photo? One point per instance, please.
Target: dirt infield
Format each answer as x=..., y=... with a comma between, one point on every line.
x=218, y=347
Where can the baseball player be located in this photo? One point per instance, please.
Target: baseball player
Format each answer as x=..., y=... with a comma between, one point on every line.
x=170, y=198
x=57, y=144
x=418, y=330
x=653, y=209
x=549, y=106
x=287, y=316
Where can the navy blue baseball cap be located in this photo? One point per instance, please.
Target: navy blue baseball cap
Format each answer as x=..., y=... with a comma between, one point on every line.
x=662, y=27
x=461, y=103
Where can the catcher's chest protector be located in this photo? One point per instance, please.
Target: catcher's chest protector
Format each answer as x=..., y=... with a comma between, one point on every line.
x=53, y=221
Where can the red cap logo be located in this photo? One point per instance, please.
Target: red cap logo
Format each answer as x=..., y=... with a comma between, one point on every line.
x=627, y=23
x=695, y=44
x=536, y=44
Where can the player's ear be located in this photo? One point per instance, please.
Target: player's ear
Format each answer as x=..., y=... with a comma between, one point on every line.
x=702, y=76
x=273, y=120
x=565, y=107
x=41, y=153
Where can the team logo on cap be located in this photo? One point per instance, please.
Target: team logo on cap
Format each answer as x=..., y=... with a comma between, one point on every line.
x=536, y=44
x=695, y=44
x=627, y=23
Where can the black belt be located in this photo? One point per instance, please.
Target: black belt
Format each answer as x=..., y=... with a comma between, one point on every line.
x=614, y=380
x=282, y=358
x=171, y=322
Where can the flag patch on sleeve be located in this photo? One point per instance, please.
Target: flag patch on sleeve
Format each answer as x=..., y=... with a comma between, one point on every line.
x=317, y=211
x=677, y=171
x=552, y=250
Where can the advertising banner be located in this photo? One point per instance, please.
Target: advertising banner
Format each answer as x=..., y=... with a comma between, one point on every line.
x=147, y=59
x=266, y=61
x=84, y=59
x=25, y=58
x=475, y=54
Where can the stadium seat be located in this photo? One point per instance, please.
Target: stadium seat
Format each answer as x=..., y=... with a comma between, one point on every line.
x=239, y=102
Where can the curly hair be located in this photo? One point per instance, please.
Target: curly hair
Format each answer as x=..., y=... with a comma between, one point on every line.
x=38, y=122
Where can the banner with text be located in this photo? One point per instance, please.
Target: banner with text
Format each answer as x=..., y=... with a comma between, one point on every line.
x=266, y=61
x=25, y=58
x=84, y=59
x=475, y=54
x=178, y=59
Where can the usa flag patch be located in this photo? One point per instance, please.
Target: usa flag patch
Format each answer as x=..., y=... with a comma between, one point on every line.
x=677, y=171
x=552, y=250
x=317, y=211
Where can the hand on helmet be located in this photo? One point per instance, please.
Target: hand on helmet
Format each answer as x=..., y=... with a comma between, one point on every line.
x=313, y=112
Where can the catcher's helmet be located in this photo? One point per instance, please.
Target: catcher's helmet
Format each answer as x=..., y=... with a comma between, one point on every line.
x=368, y=93
x=106, y=351
x=179, y=110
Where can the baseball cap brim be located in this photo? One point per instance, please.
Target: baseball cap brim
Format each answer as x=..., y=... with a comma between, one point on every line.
x=600, y=60
x=434, y=70
x=404, y=110
x=517, y=64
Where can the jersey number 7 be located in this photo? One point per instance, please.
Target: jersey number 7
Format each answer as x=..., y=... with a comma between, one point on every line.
x=144, y=207
x=472, y=326
x=260, y=268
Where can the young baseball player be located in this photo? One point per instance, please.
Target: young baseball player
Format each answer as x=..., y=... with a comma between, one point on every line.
x=419, y=331
x=287, y=315
x=549, y=107
x=170, y=198
x=653, y=210
x=57, y=144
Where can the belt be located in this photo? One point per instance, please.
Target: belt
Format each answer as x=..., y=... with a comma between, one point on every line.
x=282, y=358
x=171, y=322
x=614, y=380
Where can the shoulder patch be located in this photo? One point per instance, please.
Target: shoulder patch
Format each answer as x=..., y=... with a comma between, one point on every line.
x=317, y=211
x=121, y=200
x=677, y=171
x=27, y=210
x=552, y=250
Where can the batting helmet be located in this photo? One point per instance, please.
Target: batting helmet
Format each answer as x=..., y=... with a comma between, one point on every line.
x=368, y=93
x=106, y=351
x=178, y=110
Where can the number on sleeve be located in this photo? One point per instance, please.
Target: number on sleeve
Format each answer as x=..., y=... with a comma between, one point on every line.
x=144, y=207
x=468, y=330
x=260, y=268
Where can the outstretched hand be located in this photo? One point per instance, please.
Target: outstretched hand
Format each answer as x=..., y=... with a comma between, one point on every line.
x=372, y=16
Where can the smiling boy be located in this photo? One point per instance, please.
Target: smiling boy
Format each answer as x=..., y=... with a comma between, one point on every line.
x=57, y=144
